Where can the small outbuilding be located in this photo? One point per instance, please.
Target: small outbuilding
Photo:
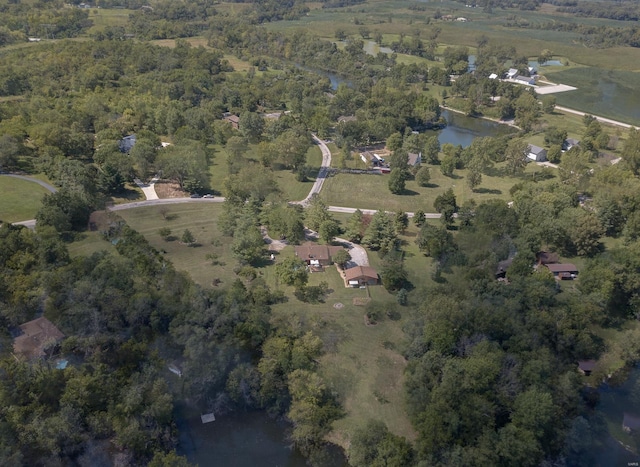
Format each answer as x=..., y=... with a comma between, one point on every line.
x=570, y=143
x=585, y=367
x=537, y=154
x=35, y=337
x=361, y=275
x=563, y=271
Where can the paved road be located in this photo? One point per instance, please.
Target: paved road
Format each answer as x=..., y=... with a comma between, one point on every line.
x=428, y=215
x=51, y=188
x=160, y=202
x=322, y=173
x=148, y=189
x=600, y=119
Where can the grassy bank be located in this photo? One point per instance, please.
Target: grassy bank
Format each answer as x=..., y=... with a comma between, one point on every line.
x=19, y=199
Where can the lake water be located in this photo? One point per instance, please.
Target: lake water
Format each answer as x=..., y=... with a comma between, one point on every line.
x=241, y=439
x=246, y=439
x=462, y=130
x=614, y=401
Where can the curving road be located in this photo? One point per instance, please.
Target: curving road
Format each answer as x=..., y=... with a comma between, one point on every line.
x=45, y=185
x=322, y=173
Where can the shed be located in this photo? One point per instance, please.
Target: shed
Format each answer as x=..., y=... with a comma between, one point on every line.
x=493, y=76
x=501, y=270
x=34, y=337
x=563, y=271
x=361, y=275
x=586, y=366
x=536, y=153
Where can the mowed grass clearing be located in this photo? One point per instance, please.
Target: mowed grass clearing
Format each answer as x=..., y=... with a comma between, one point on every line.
x=365, y=191
x=19, y=199
x=201, y=219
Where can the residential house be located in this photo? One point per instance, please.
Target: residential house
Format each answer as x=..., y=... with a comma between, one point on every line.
x=570, y=143
x=414, y=159
x=525, y=79
x=35, y=337
x=585, y=367
x=316, y=255
x=233, y=119
x=563, y=271
x=361, y=275
x=371, y=158
x=546, y=257
x=127, y=143
x=537, y=154
x=512, y=73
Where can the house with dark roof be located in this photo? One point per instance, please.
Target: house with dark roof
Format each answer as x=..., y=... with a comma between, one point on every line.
x=585, y=367
x=231, y=118
x=127, y=143
x=35, y=337
x=563, y=271
x=361, y=275
x=316, y=255
x=525, y=79
x=537, y=154
x=569, y=143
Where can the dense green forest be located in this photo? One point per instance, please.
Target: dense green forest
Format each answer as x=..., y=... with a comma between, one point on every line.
x=491, y=373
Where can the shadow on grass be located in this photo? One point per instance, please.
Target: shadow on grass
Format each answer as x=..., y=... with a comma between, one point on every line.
x=410, y=193
x=490, y=191
x=431, y=185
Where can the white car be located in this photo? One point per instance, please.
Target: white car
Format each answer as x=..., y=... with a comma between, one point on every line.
x=208, y=196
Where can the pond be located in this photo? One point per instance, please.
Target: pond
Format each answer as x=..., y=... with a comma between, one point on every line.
x=241, y=439
x=462, y=130
x=614, y=402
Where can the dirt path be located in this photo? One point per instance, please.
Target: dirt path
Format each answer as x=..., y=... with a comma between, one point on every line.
x=322, y=173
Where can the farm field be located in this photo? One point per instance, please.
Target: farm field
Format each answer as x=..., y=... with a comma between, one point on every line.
x=19, y=199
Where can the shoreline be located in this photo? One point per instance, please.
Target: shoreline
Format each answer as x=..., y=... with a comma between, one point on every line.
x=483, y=117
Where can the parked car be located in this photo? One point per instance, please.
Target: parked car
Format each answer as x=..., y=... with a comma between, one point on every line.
x=196, y=195
x=209, y=195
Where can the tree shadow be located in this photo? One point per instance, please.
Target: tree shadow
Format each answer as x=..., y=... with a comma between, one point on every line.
x=490, y=191
x=170, y=238
x=170, y=217
x=431, y=185
x=410, y=193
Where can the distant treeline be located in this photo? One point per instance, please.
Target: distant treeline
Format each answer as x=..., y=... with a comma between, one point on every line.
x=597, y=36
x=621, y=11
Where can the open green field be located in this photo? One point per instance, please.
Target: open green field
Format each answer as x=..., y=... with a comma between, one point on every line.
x=108, y=17
x=613, y=94
x=19, y=199
x=372, y=191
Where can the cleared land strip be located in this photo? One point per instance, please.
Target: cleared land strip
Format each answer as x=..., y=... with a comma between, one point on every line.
x=600, y=119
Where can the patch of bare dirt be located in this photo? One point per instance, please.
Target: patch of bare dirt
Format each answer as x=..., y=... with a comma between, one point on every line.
x=166, y=189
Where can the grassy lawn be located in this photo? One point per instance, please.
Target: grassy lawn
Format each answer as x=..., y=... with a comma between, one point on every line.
x=372, y=191
x=292, y=189
x=108, y=17
x=19, y=199
x=201, y=220
x=88, y=243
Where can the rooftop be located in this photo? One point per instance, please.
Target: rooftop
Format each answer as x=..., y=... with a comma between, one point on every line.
x=35, y=337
